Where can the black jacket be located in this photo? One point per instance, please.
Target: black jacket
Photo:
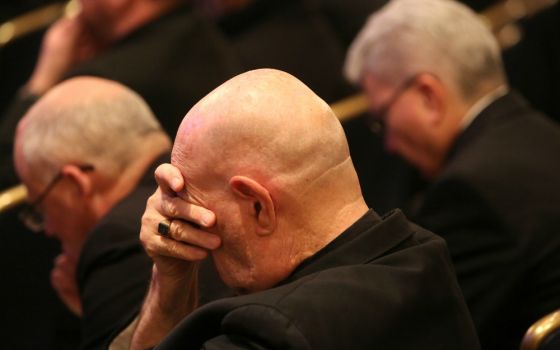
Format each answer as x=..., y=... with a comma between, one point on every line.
x=384, y=283
x=497, y=204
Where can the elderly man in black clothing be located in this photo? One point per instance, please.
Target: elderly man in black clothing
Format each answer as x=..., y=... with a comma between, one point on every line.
x=261, y=179
x=435, y=79
x=86, y=152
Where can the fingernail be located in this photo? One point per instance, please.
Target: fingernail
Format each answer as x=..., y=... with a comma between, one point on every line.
x=176, y=183
x=207, y=220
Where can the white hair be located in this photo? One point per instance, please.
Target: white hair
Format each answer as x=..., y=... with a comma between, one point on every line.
x=442, y=37
x=106, y=131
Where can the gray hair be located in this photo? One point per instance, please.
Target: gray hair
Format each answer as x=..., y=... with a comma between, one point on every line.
x=442, y=37
x=107, y=130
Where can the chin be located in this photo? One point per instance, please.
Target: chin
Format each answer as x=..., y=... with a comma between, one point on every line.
x=236, y=279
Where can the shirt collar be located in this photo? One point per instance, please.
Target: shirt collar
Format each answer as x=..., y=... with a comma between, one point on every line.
x=481, y=104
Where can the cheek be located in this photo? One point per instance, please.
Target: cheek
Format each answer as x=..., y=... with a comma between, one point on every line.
x=58, y=221
x=233, y=256
x=66, y=219
x=409, y=124
x=402, y=130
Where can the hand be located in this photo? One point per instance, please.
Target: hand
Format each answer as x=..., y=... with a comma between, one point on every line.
x=66, y=43
x=173, y=291
x=186, y=244
x=63, y=280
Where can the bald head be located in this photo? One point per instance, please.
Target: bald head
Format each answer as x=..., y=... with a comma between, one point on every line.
x=264, y=123
x=270, y=159
x=85, y=120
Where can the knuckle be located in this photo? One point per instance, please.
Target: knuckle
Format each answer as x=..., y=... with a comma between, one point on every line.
x=171, y=208
x=152, y=199
x=178, y=229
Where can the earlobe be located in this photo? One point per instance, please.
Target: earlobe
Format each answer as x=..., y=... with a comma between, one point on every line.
x=261, y=206
x=82, y=181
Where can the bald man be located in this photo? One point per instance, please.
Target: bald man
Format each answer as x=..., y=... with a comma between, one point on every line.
x=86, y=153
x=261, y=179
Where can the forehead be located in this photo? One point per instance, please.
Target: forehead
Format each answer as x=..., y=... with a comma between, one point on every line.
x=188, y=157
x=190, y=146
x=376, y=84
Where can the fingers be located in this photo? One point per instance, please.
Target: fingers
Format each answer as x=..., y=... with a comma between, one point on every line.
x=169, y=179
x=184, y=241
x=171, y=182
x=58, y=54
x=161, y=246
x=177, y=208
x=185, y=232
x=157, y=246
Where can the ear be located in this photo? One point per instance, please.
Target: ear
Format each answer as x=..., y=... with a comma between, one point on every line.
x=82, y=181
x=434, y=96
x=262, y=206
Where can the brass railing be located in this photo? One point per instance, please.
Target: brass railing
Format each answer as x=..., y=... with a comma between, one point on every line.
x=35, y=20
x=540, y=330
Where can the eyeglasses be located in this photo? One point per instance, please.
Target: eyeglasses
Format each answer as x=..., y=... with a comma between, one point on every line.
x=377, y=123
x=31, y=216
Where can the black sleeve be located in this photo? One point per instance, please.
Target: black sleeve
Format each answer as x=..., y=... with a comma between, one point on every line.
x=113, y=275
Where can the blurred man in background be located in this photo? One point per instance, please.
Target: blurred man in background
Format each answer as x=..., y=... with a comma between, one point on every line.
x=163, y=50
x=86, y=151
x=434, y=78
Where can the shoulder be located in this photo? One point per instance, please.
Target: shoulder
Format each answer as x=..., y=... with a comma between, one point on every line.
x=506, y=139
x=364, y=304
x=507, y=148
x=123, y=221
x=115, y=240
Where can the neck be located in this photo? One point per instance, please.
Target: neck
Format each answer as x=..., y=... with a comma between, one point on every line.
x=126, y=182
x=460, y=114
x=443, y=135
x=482, y=101
x=336, y=204
x=140, y=13
x=330, y=225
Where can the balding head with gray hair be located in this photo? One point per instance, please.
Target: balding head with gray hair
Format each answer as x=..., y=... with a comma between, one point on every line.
x=86, y=120
x=441, y=37
x=84, y=123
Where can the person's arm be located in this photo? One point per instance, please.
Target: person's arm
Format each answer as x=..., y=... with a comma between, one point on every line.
x=66, y=44
x=173, y=291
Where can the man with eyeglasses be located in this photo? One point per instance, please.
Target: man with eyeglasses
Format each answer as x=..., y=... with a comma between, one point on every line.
x=86, y=152
x=434, y=78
